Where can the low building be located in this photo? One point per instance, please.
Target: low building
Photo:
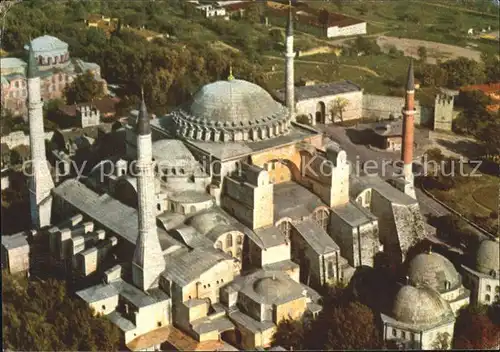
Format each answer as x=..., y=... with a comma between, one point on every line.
x=211, y=11
x=418, y=319
x=483, y=277
x=87, y=114
x=15, y=253
x=388, y=136
x=327, y=102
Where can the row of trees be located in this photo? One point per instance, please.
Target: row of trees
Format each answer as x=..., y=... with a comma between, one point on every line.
x=459, y=72
x=41, y=316
x=344, y=324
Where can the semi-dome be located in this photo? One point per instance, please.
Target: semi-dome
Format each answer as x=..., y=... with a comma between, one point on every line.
x=419, y=305
x=434, y=270
x=271, y=288
x=488, y=258
x=173, y=153
x=231, y=110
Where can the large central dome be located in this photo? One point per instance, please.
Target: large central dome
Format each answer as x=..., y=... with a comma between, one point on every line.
x=232, y=110
x=233, y=101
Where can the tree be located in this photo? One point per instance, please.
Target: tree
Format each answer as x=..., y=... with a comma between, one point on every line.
x=367, y=46
x=442, y=341
x=83, y=89
x=289, y=334
x=475, y=330
x=277, y=35
x=463, y=71
x=422, y=53
x=491, y=67
x=40, y=315
x=254, y=13
x=349, y=326
x=338, y=108
x=432, y=75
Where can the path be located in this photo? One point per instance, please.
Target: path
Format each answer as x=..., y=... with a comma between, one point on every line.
x=461, y=9
x=313, y=62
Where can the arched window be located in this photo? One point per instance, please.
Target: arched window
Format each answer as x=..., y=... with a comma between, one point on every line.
x=158, y=206
x=239, y=239
x=447, y=285
x=49, y=61
x=497, y=289
x=192, y=209
x=321, y=217
x=497, y=298
x=40, y=60
x=229, y=240
x=487, y=298
x=56, y=59
x=488, y=288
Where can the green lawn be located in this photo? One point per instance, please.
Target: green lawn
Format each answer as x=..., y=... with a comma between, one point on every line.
x=474, y=197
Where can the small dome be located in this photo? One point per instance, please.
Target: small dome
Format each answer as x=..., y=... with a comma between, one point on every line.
x=419, y=305
x=434, y=270
x=271, y=288
x=233, y=101
x=488, y=258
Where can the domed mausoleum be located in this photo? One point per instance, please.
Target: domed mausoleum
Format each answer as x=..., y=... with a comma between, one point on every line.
x=437, y=272
x=232, y=110
x=483, y=279
x=418, y=318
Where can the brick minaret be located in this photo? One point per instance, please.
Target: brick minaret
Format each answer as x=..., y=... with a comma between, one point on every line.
x=40, y=179
x=148, y=261
x=289, y=63
x=408, y=132
x=408, y=125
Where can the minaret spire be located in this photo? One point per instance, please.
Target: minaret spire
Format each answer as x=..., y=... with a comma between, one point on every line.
x=289, y=63
x=40, y=180
x=408, y=132
x=148, y=261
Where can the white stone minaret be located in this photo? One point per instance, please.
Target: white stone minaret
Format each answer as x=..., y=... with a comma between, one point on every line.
x=289, y=69
x=148, y=261
x=40, y=180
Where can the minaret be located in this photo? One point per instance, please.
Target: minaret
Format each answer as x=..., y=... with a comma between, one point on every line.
x=408, y=132
x=148, y=261
x=289, y=63
x=40, y=181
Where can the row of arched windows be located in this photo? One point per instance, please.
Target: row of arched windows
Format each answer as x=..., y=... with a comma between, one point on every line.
x=53, y=60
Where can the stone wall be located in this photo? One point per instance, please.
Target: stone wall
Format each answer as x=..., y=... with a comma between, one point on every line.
x=17, y=138
x=311, y=106
x=384, y=107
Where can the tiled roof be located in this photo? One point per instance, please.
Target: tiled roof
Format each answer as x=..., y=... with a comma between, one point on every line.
x=321, y=90
x=105, y=105
x=186, y=267
x=316, y=237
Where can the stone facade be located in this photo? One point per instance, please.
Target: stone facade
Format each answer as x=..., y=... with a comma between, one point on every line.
x=443, y=112
x=321, y=109
x=15, y=253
